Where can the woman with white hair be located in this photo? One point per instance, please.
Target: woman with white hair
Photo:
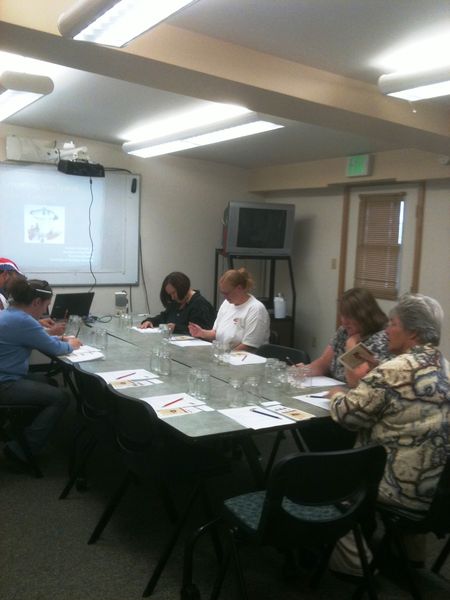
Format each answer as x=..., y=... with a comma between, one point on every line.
x=404, y=405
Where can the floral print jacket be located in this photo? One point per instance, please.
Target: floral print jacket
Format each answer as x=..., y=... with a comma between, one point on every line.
x=404, y=405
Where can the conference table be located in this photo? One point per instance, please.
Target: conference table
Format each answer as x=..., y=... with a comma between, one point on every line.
x=129, y=350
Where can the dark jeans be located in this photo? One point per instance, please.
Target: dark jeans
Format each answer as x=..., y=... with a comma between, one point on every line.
x=35, y=390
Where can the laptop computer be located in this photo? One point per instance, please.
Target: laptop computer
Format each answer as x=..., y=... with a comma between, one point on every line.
x=78, y=303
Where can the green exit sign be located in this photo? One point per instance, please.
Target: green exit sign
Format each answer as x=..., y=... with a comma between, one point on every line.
x=358, y=165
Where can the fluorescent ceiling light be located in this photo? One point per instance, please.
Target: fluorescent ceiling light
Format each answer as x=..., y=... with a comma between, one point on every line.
x=245, y=125
x=418, y=85
x=207, y=114
x=115, y=22
x=18, y=90
x=429, y=51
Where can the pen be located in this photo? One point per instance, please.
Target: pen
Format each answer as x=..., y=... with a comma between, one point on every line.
x=126, y=375
x=312, y=396
x=172, y=402
x=243, y=358
x=260, y=412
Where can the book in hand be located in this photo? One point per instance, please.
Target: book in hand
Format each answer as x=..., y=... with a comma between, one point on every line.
x=358, y=355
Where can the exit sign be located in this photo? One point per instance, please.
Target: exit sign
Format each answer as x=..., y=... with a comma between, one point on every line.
x=358, y=165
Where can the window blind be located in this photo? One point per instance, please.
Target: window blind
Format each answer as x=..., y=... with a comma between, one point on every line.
x=379, y=243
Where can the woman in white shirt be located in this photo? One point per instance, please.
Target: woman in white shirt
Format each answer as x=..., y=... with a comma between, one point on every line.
x=242, y=321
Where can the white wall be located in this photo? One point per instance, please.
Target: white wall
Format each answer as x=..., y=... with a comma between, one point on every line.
x=182, y=203
x=317, y=242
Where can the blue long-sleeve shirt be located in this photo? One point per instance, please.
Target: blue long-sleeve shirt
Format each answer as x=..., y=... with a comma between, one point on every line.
x=20, y=333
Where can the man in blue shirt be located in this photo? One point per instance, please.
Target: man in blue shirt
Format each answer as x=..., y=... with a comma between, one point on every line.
x=20, y=333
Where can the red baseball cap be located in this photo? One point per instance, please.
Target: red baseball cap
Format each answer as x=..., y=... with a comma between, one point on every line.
x=9, y=265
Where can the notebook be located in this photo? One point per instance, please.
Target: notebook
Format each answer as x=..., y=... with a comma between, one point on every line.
x=65, y=305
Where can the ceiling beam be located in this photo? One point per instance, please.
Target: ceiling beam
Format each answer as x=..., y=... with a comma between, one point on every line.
x=182, y=62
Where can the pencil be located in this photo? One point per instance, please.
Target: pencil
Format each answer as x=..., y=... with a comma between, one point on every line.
x=172, y=402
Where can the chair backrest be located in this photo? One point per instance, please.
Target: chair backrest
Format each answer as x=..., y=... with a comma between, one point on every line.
x=290, y=355
x=90, y=390
x=136, y=429
x=320, y=496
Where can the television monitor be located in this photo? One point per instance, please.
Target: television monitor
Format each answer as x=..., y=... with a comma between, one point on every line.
x=258, y=229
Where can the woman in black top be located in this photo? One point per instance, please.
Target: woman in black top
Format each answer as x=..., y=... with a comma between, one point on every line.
x=183, y=305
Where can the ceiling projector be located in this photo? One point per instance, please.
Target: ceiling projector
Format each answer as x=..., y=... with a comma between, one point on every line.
x=80, y=167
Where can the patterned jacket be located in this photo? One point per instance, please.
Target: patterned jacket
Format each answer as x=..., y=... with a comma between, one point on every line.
x=404, y=405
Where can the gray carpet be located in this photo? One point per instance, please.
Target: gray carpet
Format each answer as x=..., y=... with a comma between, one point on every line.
x=44, y=553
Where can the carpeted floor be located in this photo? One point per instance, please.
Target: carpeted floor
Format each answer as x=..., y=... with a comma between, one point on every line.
x=44, y=553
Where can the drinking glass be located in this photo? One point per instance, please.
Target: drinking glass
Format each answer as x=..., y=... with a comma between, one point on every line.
x=304, y=376
x=203, y=384
x=165, y=362
x=73, y=325
x=164, y=330
x=252, y=392
x=192, y=382
x=234, y=392
x=155, y=361
x=217, y=351
x=101, y=339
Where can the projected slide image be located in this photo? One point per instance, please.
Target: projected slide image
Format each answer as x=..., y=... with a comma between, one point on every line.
x=44, y=224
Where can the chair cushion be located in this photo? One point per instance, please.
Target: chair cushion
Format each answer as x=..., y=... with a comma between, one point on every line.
x=317, y=513
x=247, y=508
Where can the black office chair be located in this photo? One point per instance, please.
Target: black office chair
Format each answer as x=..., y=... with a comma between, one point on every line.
x=13, y=420
x=95, y=426
x=291, y=356
x=399, y=521
x=311, y=501
x=148, y=452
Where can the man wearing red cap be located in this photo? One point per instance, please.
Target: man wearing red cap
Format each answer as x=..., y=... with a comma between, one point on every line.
x=8, y=272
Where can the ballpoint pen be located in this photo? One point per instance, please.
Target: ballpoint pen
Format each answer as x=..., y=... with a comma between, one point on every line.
x=260, y=412
x=172, y=402
x=126, y=375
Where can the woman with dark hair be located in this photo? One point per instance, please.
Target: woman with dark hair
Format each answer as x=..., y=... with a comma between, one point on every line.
x=20, y=333
x=182, y=306
x=362, y=320
x=242, y=322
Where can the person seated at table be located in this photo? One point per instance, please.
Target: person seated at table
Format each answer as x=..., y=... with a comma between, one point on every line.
x=182, y=306
x=243, y=322
x=362, y=320
x=403, y=404
x=9, y=272
x=20, y=333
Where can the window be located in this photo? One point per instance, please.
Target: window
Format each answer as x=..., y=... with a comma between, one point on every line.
x=379, y=242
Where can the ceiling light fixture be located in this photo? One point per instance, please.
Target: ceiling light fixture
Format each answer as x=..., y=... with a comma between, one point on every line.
x=18, y=90
x=242, y=126
x=417, y=85
x=115, y=22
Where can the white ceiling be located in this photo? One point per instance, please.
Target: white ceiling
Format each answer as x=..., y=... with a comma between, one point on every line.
x=345, y=37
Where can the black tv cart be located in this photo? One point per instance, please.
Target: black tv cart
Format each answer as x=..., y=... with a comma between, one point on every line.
x=284, y=328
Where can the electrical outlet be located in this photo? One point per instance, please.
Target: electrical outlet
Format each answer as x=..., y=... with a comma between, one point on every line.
x=333, y=264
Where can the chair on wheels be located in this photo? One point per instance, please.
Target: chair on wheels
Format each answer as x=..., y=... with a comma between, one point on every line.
x=149, y=453
x=400, y=521
x=311, y=501
x=96, y=426
x=291, y=356
x=13, y=420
